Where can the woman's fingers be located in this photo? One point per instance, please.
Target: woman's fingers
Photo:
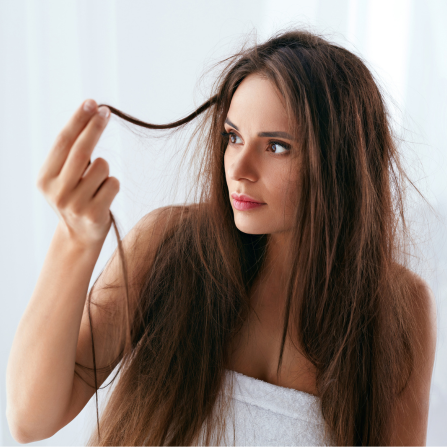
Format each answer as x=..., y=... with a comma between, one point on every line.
x=64, y=141
x=106, y=193
x=93, y=178
x=81, y=197
x=81, y=152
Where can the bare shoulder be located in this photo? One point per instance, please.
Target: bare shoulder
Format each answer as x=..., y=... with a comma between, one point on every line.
x=422, y=298
x=146, y=235
x=425, y=307
x=165, y=213
x=410, y=414
x=159, y=218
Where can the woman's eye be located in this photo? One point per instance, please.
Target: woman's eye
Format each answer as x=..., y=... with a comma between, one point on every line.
x=234, y=137
x=279, y=148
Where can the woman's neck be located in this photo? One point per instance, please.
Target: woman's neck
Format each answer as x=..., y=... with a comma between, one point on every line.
x=271, y=282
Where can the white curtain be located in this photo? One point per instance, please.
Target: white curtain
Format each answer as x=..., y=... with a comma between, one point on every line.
x=145, y=57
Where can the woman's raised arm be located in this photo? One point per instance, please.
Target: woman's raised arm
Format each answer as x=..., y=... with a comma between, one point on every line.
x=43, y=391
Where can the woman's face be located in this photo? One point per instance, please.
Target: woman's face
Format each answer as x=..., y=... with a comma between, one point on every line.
x=258, y=158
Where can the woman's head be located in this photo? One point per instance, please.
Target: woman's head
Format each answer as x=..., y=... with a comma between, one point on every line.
x=329, y=184
x=260, y=158
x=332, y=164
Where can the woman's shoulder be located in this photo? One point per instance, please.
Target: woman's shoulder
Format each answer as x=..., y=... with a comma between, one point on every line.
x=425, y=307
x=165, y=217
x=420, y=293
x=423, y=294
x=411, y=409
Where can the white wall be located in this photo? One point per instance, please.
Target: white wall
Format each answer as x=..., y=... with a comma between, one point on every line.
x=145, y=58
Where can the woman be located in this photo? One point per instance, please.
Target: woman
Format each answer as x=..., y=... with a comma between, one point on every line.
x=277, y=308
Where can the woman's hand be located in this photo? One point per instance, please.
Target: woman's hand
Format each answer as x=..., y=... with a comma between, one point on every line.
x=81, y=193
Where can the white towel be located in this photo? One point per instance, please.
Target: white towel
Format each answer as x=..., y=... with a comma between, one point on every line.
x=266, y=414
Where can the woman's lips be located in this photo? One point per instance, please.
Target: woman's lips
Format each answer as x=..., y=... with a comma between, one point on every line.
x=242, y=205
x=243, y=202
x=245, y=198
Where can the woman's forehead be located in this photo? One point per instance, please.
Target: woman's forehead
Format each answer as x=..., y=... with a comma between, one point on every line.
x=258, y=102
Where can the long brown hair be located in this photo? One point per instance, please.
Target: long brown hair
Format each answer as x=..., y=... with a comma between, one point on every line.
x=348, y=262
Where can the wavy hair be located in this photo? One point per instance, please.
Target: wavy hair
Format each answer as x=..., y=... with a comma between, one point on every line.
x=348, y=263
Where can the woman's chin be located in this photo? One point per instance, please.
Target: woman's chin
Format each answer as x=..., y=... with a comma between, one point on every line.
x=250, y=229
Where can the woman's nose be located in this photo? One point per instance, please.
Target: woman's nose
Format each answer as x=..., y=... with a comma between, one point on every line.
x=244, y=163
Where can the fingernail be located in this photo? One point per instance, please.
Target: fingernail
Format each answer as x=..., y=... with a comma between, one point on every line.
x=89, y=105
x=104, y=111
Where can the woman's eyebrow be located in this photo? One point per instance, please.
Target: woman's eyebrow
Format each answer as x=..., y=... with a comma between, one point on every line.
x=227, y=121
x=265, y=134
x=285, y=135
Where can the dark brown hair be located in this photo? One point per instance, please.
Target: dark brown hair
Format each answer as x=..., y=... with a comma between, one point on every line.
x=348, y=263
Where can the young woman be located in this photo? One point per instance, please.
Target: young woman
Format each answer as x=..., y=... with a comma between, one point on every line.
x=277, y=308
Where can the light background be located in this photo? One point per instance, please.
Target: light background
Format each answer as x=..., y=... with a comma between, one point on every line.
x=145, y=58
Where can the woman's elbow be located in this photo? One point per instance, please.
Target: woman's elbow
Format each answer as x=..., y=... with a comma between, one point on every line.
x=23, y=433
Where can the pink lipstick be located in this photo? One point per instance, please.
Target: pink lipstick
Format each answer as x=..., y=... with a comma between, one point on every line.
x=244, y=202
